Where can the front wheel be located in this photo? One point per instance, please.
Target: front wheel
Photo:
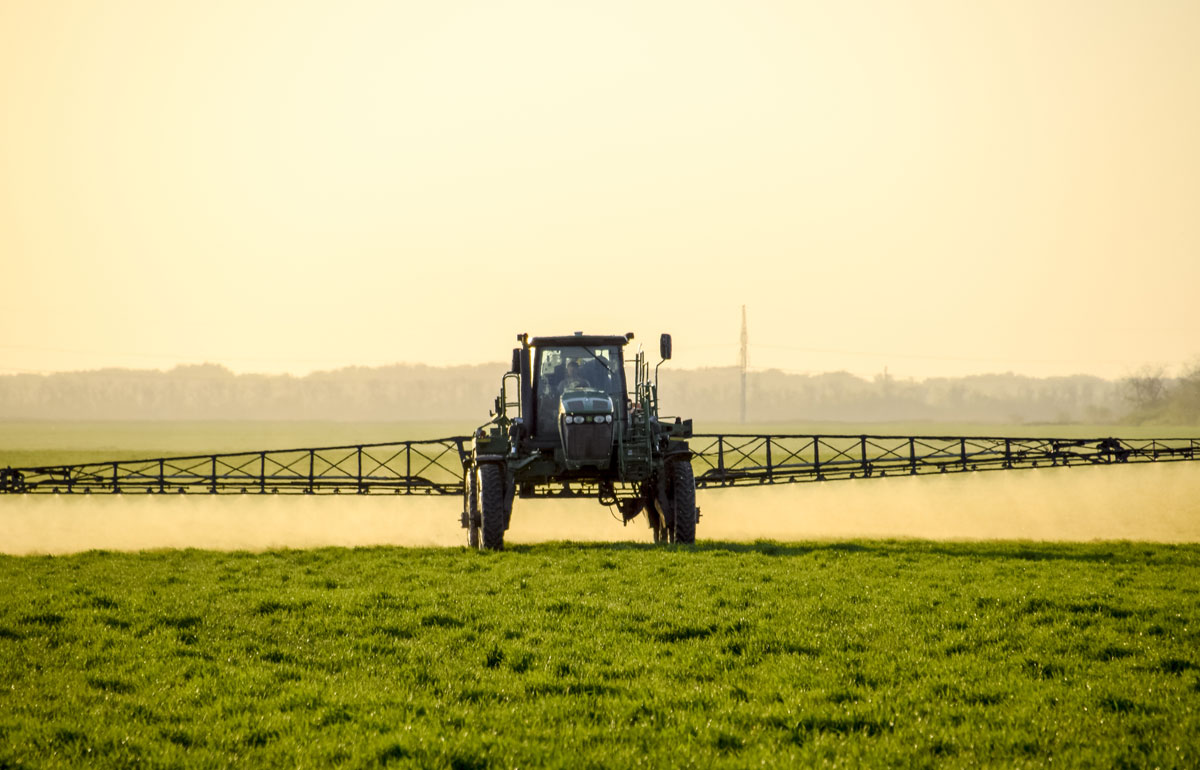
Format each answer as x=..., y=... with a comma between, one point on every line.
x=491, y=506
x=683, y=503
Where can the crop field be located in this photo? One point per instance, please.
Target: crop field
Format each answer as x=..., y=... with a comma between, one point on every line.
x=875, y=653
x=738, y=652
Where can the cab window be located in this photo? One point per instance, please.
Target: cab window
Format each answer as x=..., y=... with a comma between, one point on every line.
x=559, y=369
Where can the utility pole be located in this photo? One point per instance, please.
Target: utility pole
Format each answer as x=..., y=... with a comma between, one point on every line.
x=743, y=360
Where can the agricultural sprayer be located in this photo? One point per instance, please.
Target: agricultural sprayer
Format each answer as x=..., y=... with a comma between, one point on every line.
x=569, y=424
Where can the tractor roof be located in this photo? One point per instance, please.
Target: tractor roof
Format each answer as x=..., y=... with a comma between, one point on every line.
x=588, y=340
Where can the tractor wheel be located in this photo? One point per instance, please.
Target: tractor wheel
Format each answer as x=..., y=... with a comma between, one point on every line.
x=471, y=506
x=491, y=506
x=683, y=500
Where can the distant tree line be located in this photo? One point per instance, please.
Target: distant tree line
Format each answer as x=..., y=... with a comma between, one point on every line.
x=1155, y=398
x=465, y=393
x=389, y=393
x=840, y=396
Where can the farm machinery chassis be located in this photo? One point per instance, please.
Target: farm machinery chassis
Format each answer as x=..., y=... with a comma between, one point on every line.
x=567, y=425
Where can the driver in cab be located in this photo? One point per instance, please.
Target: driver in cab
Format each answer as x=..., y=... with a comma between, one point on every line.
x=573, y=379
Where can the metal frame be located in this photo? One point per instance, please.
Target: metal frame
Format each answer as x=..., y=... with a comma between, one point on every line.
x=723, y=460
x=433, y=467
x=438, y=466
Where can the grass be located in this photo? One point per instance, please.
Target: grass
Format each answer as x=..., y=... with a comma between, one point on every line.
x=882, y=654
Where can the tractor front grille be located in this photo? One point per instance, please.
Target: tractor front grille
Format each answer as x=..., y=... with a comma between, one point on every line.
x=588, y=443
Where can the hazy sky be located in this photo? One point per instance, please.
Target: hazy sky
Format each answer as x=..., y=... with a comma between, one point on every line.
x=939, y=187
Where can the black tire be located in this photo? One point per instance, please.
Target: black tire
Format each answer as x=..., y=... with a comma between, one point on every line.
x=471, y=506
x=683, y=501
x=491, y=506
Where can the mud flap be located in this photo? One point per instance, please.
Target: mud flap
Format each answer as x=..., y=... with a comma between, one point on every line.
x=662, y=503
x=510, y=491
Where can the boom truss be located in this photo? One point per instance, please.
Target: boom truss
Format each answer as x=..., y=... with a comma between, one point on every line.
x=438, y=466
x=736, y=460
x=433, y=467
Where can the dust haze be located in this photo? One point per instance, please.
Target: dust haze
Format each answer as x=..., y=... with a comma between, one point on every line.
x=1158, y=503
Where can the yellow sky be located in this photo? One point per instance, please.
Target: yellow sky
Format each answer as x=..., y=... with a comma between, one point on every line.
x=938, y=187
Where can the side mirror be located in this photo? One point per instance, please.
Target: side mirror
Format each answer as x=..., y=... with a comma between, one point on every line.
x=664, y=347
x=516, y=362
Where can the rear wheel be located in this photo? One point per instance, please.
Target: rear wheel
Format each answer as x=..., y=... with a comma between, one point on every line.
x=491, y=506
x=683, y=502
x=471, y=507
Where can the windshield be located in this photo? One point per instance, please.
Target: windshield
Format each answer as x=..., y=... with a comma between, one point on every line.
x=576, y=368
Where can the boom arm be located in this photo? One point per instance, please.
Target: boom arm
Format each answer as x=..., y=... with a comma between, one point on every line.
x=436, y=466
x=737, y=459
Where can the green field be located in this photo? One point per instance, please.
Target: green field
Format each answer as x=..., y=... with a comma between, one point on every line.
x=876, y=653
x=884, y=654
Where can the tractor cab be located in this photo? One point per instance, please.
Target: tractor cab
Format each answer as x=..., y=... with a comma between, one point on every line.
x=565, y=374
x=578, y=396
